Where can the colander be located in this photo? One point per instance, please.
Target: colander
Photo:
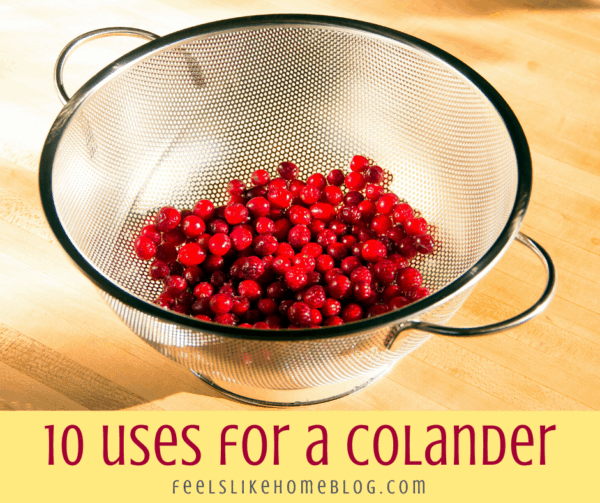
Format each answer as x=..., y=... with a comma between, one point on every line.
x=174, y=120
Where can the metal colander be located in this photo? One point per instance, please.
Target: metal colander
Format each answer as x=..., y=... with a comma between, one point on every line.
x=173, y=121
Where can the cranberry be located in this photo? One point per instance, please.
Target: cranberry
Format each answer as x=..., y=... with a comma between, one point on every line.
x=295, y=278
x=385, y=271
x=260, y=325
x=332, y=273
x=340, y=287
x=174, y=285
x=226, y=319
x=260, y=177
x=192, y=254
x=356, y=249
x=241, y=238
x=296, y=187
x=279, y=197
x=338, y=251
x=418, y=293
x=218, y=279
x=281, y=264
x=236, y=187
x=359, y=163
x=265, y=245
x=362, y=290
x=361, y=273
x=401, y=212
x=219, y=244
x=235, y=213
x=332, y=195
x=409, y=278
x=267, y=306
x=299, y=215
x=423, y=244
x=202, y=317
x=174, y=237
x=396, y=234
x=398, y=260
x=367, y=210
x=264, y=225
x=193, y=226
x=175, y=268
x=276, y=291
x=213, y=263
x=353, y=198
x=373, y=174
x=286, y=250
x=300, y=314
x=252, y=268
x=336, y=177
x=312, y=249
x=333, y=321
x=373, y=192
x=202, y=307
x=374, y=251
x=386, y=203
x=398, y=302
x=310, y=194
x=352, y=312
x=348, y=240
x=282, y=229
x=415, y=226
x=315, y=297
x=406, y=248
x=349, y=264
x=251, y=316
x=251, y=290
x=305, y=262
x=167, y=219
x=377, y=309
x=277, y=182
x=145, y=248
x=217, y=225
x=288, y=170
x=258, y=206
x=158, y=270
x=324, y=263
x=339, y=227
x=273, y=321
x=152, y=233
x=381, y=224
x=331, y=307
x=350, y=214
x=165, y=300
x=166, y=253
x=299, y=236
x=241, y=305
x=204, y=209
x=323, y=211
x=355, y=181
x=326, y=237
x=203, y=240
x=202, y=290
x=318, y=180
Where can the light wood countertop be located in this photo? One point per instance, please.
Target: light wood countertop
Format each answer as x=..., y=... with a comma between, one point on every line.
x=63, y=348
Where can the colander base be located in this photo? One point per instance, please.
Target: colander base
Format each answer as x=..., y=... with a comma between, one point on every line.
x=295, y=397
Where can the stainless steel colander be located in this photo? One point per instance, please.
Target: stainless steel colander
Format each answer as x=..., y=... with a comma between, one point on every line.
x=172, y=121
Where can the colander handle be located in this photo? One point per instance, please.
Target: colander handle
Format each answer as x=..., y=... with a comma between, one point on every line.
x=534, y=310
x=82, y=39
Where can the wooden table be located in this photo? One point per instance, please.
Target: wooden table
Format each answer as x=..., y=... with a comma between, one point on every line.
x=61, y=347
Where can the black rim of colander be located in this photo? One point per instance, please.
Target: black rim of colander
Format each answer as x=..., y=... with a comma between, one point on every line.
x=395, y=317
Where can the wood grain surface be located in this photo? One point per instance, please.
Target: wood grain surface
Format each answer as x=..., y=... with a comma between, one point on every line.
x=63, y=348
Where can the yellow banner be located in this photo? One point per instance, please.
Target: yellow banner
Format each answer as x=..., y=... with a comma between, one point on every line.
x=285, y=456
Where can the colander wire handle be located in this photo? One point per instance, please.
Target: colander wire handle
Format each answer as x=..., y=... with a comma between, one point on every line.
x=526, y=315
x=82, y=39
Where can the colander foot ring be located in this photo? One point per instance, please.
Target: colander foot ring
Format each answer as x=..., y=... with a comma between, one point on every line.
x=323, y=392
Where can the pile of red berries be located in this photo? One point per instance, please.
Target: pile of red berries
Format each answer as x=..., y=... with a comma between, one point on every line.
x=290, y=254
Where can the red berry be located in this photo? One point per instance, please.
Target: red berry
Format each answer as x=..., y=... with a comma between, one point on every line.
x=202, y=317
x=361, y=273
x=337, y=251
x=333, y=321
x=236, y=187
x=285, y=249
x=339, y=227
x=399, y=302
x=353, y=198
x=217, y=225
x=236, y=213
x=332, y=307
x=340, y=287
x=332, y=273
x=326, y=237
x=174, y=237
x=355, y=181
x=226, y=319
x=166, y=253
x=310, y=194
x=332, y=195
x=158, y=270
x=318, y=180
x=145, y=248
x=281, y=264
x=276, y=291
x=288, y=170
x=251, y=290
x=165, y=300
x=323, y=211
x=202, y=307
x=213, y=263
x=352, y=312
x=295, y=278
x=409, y=278
x=265, y=245
x=192, y=254
x=252, y=268
x=401, y=212
x=282, y=229
x=423, y=244
x=193, y=226
x=406, y=248
x=386, y=203
x=377, y=309
x=241, y=238
x=219, y=244
x=312, y=249
x=241, y=305
x=279, y=198
x=349, y=264
x=324, y=263
x=264, y=225
x=374, y=251
x=204, y=209
x=304, y=261
x=381, y=224
x=203, y=290
x=296, y=187
x=260, y=177
x=299, y=215
x=350, y=214
x=277, y=182
x=218, y=279
x=418, y=293
x=167, y=219
x=258, y=206
x=385, y=271
x=267, y=307
x=336, y=177
x=299, y=236
x=315, y=297
x=367, y=210
x=174, y=285
x=175, y=268
x=359, y=163
x=300, y=314
x=373, y=192
x=373, y=174
x=152, y=233
x=415, y=226
x=348, y=240
x=362, y=290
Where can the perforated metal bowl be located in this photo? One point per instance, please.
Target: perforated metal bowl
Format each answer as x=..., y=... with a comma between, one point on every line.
x=172, y=121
